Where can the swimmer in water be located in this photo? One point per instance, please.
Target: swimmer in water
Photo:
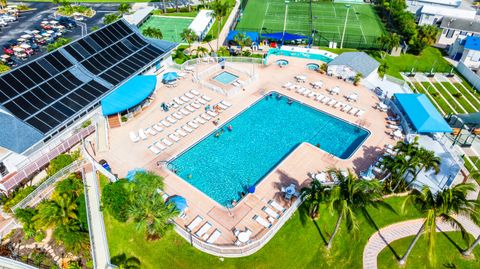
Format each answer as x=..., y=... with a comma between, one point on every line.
x=217, y=134
x=290, y=101
x=230, y=128
x=234, y=202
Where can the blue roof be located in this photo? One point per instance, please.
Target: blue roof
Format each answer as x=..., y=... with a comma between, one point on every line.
x=130, y=94
x=254, y=36
x=285, y=36
x=472, y=43
x=19, y=136
x=422, y=114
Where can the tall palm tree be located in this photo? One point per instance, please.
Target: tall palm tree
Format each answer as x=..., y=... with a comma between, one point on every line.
x=442, y=205
x=313, y=196
x=152, y=33
x=189, y=36
x=201, y=51
x=3, y=3
x=72, y=236
x=398, y=166
x=242, y=40
x=428, y=161
x=219, y=11
x=407, y=148
x=349, y=197
x=124, y=262
x=58, y=211
x=110, y=18
x=72, y=185
x=124, y=8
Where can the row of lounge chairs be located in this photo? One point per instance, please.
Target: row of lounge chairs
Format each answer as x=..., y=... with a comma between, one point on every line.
x=187, y=97
x=273, y=212
x=202, y=233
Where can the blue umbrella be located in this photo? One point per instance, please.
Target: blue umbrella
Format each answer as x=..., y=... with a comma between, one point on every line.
x=131, y=174
x=251, y=189
x=170, y=76
x=179, y=201
x=368, y=175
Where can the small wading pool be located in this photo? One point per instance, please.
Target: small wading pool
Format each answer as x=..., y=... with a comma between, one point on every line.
x=282, y=62
x=261, y=137
x=313, y=66
x=225, y=77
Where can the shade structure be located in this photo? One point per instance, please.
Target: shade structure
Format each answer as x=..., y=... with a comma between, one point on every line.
x=368, y=175
x=179, y=202
x=421, y=113
x=131, y=174
x=251, y=189
x=129, y=95
x=170, y=76
x=284, y=36
x=254, y=36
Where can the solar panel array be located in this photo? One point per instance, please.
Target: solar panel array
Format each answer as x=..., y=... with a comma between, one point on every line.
x=46, y=92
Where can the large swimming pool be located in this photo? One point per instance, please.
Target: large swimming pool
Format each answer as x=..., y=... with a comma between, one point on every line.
x=261, y=136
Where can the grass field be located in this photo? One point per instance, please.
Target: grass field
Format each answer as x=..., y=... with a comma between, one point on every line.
x=171, y=27
x=328, y=19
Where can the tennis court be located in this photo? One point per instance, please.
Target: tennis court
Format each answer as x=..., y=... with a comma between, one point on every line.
x=171, y=27
x=326, y=18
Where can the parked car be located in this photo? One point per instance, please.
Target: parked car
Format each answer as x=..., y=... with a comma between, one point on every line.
x=67, y=22
x=8, y=18
x=3, y=23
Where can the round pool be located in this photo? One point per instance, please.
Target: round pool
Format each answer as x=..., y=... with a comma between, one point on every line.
x=313, y=66
x=282, y=62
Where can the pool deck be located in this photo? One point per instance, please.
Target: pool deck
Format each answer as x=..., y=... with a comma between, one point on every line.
x=124, y=155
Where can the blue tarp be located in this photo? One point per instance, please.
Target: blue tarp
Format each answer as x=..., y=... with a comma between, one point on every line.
x=284, y=36
x=422, y=114
x=170, y=76
x=254, y=36
x=130, y=94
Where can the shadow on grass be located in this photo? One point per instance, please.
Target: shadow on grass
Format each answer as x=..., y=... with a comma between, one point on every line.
x=460, y=249
x=304, y=218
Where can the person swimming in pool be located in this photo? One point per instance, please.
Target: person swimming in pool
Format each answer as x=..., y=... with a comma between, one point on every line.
x=290, y=101
x=217, y=134
x=234, y=202
x=230, y=128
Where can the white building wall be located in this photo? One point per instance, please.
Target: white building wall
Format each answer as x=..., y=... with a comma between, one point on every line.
x=429, y=19
x=471, y=58
x=449, y=36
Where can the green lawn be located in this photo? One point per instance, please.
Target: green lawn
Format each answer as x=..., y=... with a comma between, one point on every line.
x=297, y=245
x=469, y=92
x=462, y=99
x=446, y=253
x=434, y=93
x=474, y=166
x=439, y=103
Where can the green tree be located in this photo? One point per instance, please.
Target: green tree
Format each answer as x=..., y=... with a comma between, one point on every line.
x=442, y=205
x=110, y=18
x=349, y=197
x=124, y=262
x=389, y=41
x=25, y=216
x=124, y=8
x=61, y=161
x=189, y=36
x=201, y=51
x=58, y=211
x=3, y=3
x=313, y=196
x=72, y=237
x=242, y=40
x=71, y=185
x=115, y=199
x=220, y=9
x=357, y=79
x=223, y=51
x=57, y=44
x=152, y=33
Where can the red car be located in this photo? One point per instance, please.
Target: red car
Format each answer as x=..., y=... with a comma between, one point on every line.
x=8, y=51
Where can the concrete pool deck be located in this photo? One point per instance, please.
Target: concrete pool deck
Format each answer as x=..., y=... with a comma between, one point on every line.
x=124, y=155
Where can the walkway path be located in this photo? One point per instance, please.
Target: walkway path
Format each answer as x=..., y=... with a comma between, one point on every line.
x=387, y=235
x=99, y=244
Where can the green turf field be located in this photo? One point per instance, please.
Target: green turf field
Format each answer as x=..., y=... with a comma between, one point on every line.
x=171, y=27
x=328, y=19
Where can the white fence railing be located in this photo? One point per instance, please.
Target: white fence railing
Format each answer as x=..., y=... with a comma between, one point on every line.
x=27, y=201
x=7, y=228
x=231, y=251
x=6, y=263
x=97, y=166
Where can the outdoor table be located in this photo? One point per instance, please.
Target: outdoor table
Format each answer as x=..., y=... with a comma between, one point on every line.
x=290, y=190
x=243, y=237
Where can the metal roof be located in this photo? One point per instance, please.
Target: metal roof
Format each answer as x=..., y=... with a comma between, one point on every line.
x=448, y=11
x=50, y=91
x=472, y=43
x=460, y=24
x=358, y=61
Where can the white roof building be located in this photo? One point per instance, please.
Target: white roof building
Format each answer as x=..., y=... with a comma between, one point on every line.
x=202, y=23
x=139, y=16
x=434, y=14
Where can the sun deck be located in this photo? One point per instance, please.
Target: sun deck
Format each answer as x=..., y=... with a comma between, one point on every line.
x=124, y=155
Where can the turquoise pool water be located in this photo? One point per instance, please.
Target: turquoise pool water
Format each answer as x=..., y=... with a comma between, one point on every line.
x=225, y=77
x=289, y=53
x=262, y=135
x=282, y=62
x=313, y=66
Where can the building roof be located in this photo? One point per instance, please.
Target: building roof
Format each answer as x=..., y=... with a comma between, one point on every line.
x=47, y=93
x=460, y=24
x=201, y=21
x=443, y=2
x=19, y=136
x=472, y=43
x=139, y=15
x=358, y=61
x=130, y=94
x=448, y=11
x=422, y=114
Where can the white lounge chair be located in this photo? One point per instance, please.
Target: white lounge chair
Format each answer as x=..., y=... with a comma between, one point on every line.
x=312, y=94
x=196, y=105
x=353, y=111
x=160, y=145
x=194, y=223
x=174, y=105
x=142, y=134
x=306, y=92
x=171, y=120
x=226, y=103
x=206, y=98
x=154, y=149
x=204, y=229
x=325, y=100
x=222, y=106
x=200, y=120
x=190, y=108
x=205, y=116
x=167, y=142
x=186, y=128
x=157, y=127
x=360, y=113
x=201, y=101
x=319, y=97
x=181, y=132
x=189, y=95
x=192, y=124
x=270, y=212
x=211, y=113
x=165, y=123
x=177, y=116
x=194, y=92
x=276, y=205
x=184, y=112
x=332, y=102
x=214, y=236
x=346, y=108
x=301, y=90
x=262, y=221
x=178, y=101
x=339, y=105
x=174, y=137
x=150, y=131
x=184, y=99
x=287, y=85
x=133, y=137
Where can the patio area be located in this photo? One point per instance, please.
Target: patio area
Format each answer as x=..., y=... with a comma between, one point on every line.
x=124, y=155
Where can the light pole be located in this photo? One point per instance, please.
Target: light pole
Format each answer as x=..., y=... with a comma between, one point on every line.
x=345, y=25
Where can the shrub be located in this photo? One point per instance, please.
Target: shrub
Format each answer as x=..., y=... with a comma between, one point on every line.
x=457, y=95
x=25, y=216
x=124, y=118
x=86, y=123
x=39, y=236
x=115, y=199
x=61, y=161
x=18, y=196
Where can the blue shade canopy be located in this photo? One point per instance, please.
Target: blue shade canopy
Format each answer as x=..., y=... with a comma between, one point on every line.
x=422, y=114
x=285, y=36
x=254, y=36
x=130, y=94
x=170, y=76
x=368, y=175
x=251, y=189
x=179, y=202
x=131, y=174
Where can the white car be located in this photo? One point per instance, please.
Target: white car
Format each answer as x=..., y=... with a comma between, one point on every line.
x=8, y=18
x=3, y=23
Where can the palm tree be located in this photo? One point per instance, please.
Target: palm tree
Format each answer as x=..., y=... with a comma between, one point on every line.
x=164, y=7
x=189, y=36
x=152, y=33
x=242, y=40
x=110, y=18
x=398, y=166
x=124, y=262
x=124, y=8
x=350, y=196
x=72, y=185
x=219, y=11
x=72, y=236
x=313, y=196
x=223, y=51
x=428, y=161
x=201, y=51
x=407, y=148
x=441, y=205
x=58, y=211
